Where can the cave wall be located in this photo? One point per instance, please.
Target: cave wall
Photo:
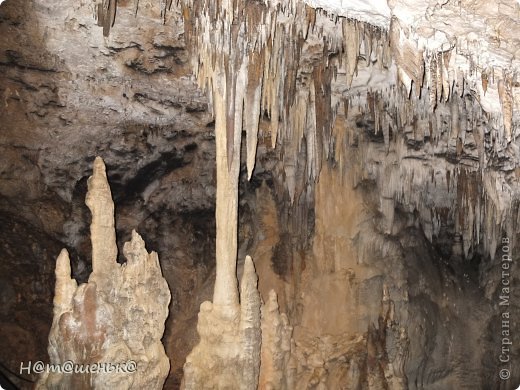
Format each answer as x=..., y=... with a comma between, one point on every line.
x=70, y=95
x=372, y=308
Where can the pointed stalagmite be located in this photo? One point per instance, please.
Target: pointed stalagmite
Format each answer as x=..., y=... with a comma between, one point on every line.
x=250, y=323
x=65, y=285
x=117, y=317
x=229, y=346
x=276, y=347
x=102, y=228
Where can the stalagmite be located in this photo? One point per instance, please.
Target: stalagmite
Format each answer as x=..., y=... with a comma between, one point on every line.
x=228, y=353
x=275, y=370
x=110, y=328
x=65, y=285
x=250, y=323
x=102, y=228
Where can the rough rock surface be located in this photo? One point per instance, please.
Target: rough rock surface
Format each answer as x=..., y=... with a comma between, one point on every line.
x=111, y=327
x=68, y=95
x=228, y=354
x=384, y=175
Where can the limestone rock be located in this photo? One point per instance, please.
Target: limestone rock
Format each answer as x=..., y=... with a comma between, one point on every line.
x=275, y=370
x=111, y=327
x=228, y=354
x=102, y=228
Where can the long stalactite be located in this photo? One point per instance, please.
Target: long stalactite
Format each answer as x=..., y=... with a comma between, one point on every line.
x=247, y=57
x=248, y=54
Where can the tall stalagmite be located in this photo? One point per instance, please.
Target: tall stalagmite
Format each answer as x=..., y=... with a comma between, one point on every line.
x=110, y=327
x=228, y=354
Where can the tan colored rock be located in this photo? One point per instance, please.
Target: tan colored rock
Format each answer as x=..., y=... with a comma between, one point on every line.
x=102, y=228
x=275, y=370
x=228, y=354
x=110, y=328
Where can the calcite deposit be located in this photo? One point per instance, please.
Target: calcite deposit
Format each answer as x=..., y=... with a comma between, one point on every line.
x=228, y=353
x=111, y=327
x=427, y=112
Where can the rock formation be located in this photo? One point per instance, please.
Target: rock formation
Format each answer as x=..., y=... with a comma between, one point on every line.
x=111, y=327
x=257, y=57
x=275, y=370
x=228, y=354
x=365, y=154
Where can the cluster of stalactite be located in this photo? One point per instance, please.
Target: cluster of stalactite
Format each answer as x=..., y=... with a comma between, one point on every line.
x=269, y=68
x=447, y=164
x=279, y=61
x=257, y=49
x=291, y=88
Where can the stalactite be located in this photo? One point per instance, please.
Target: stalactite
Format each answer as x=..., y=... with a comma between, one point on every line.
x=248, y=58
x=351, y=49
x=252, y=108
x=251, y=56
x=106, y=15
x=506, y=102
x=438, y=76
